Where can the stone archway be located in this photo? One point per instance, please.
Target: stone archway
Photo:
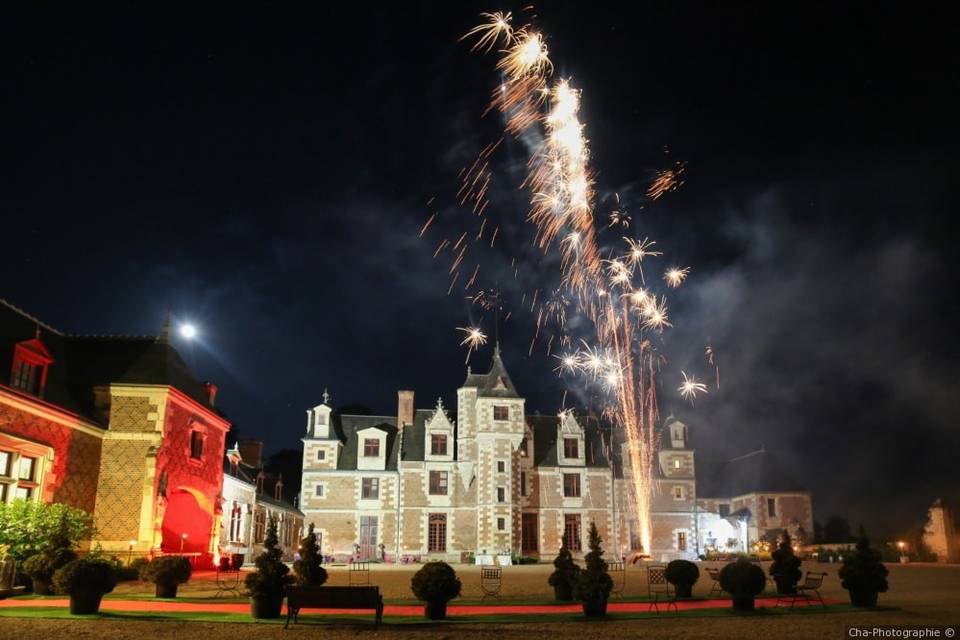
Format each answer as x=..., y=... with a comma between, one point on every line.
x=189, y=512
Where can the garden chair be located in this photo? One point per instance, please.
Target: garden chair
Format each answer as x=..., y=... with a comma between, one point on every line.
x=228, y=578
x=808, y=591
x=359, y=573
x=715, y=588
x=491, y=580
x=618, y=572
x=659, y=589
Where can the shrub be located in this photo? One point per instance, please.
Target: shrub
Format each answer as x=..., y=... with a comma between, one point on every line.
x=565, y=571
x=682, y=574
x=862, y=571
x=127, y=571
x=272, y=575
x=42, y=566
x=167, y=570
x=435, y=582
x=785, y=568
x=307, y=568
x=91, y=574
x=525, y=560
x=594, y=583
x=28, y=527
x=742, y=578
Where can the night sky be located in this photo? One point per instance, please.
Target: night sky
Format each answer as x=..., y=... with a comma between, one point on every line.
x=263, y=172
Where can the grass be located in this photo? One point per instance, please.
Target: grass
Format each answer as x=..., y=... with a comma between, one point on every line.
x=63, y=613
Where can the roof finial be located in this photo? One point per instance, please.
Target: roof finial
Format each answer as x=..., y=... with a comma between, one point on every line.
x=496, y=349
x=164, y=337
x=326, y=396
x=469, y=370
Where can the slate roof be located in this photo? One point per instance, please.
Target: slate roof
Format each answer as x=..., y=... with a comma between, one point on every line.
x=496, y=383
x=545, y=431
x=346, y=428
x=755, y=472
x=83, y=362
x=415, y=437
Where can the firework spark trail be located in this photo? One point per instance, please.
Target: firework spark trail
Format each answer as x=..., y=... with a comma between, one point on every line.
x=624, y=360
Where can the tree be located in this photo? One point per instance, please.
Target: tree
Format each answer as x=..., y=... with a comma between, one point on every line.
x=28, y=527
x=594, y=583
x=272, y=575
x=785, y=568
x=308, y=569
x=864, y=575
x=837, y=529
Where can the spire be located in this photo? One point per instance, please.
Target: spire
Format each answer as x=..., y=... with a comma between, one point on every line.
x=164, y=337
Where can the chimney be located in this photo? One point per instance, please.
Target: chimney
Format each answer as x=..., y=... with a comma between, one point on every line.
x=252, y=452
x=211, y=392
x=404, y=408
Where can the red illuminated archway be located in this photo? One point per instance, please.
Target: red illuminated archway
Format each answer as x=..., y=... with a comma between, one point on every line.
x=187, y=523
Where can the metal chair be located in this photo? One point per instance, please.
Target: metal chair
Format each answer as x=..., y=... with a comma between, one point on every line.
x=359, y=573
x=491, y=580
x=228, y=578
x=659, y=589
x=808, y=591
x=618, y=573
x=715, y=588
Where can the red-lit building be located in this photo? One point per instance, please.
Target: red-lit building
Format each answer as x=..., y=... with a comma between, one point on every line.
x=116, y=426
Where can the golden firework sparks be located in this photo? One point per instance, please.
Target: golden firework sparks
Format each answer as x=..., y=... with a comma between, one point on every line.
x=666, y=181
x=568, y=363
x=675, y=276
x=497, y=24
x=474, y=337
x=527, y=57
x=655, y=314
x=691, y=387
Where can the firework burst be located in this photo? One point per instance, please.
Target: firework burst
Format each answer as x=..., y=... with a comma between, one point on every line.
x=674, y=276
x=690, y=387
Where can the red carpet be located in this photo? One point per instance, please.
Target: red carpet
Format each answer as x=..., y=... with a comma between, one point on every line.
x=389, y=610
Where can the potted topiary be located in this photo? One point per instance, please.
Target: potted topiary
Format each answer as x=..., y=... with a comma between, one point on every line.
x=594, y=583
x=743, y=580
x=785, y=569
x=266, y=585
x=436, y=584
x=308, y=569
x=167, y=573
x=682, y=574
x=863, y=575
x=56, y=553
x=86, y=581
x=564, y=576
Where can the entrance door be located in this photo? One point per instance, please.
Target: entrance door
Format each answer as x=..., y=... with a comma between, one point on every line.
x=528, y=533
x=368, y=537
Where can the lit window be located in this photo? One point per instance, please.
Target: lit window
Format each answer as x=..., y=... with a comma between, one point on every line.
x=501, y=466
x=571, y=448
x=30, y=362
x=370, y=488
x=501, y=494
x=24, y=376
x=371, y=448
x=571, y=485
x=5, y=459
x=196, y=445
x=676, y=463
x=318, y=490
x=438, y=444
x=27, y=468
x=681, y=541
x=23, y=493
x=501, y=413
x=438, y=483
x=501, y=524
x=321, y=455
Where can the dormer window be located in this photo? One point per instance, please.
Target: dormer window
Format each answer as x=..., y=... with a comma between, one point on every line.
x=278, y=490
x=438, y=444
x=30, y=362
x=571, y=448
x=501, y=412
x=371, y=448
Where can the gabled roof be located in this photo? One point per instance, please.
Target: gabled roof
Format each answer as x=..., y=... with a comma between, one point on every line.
x=755, y=472
x=496, y=383
x=545, y=430
x=82, y=362
x=346, y=428
x=415, y=436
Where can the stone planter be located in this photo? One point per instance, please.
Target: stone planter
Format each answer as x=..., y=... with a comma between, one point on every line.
x=563, y=593
x=865, y=599
x=41, y=587
x=166, y=590
x=785, y=586
x=85, y=603
x=684, y=590
x=265, y=608
x=742, y=602
x=435, y=610
x=595, y=608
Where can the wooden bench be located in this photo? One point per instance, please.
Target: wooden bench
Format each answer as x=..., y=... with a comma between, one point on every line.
x=333, y=598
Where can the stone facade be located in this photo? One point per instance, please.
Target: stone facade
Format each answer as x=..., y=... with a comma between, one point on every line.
x=422, y=484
